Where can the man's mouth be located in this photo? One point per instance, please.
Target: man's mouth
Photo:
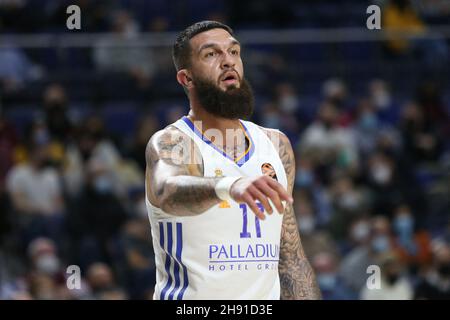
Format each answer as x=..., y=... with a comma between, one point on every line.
x=230, y=78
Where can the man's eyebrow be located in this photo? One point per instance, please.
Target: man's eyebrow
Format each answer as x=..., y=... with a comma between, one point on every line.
x=211, y=44
x=234, y=42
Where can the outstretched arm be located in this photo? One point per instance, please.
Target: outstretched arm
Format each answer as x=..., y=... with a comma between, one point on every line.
x=174, y=175
x=175, y=181
x=296, y=274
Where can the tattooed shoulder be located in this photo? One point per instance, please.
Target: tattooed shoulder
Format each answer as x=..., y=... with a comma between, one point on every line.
x=175, y=148
x=170, y=152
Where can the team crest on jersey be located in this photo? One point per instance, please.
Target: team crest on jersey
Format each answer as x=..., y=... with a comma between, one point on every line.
x=268, y=170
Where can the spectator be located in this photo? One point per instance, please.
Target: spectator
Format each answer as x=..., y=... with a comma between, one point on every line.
x=16, y=70
x=353, y=268
x=102, y=283
x=384, y=181
x=36, y=195
x=137, y=264
x=328, y=140
x=348, y=202
x=55, y=112
x=400, y=16
x=435, y=284
x=96, y=204
x=314, y=239
x=43, y=256
x=8, y=141
x=421, y=143
x=358, y=234
x=335, y=92
x=412, y=246
x=46, y=275
x=367, y=126
x=331, y=286
x=394, y=284
x=110, y=55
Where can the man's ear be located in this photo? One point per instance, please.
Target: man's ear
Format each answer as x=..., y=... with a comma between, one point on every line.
x=184, y=78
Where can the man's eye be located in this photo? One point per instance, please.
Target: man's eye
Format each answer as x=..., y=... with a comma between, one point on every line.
x=235, y=52
x=210, y=54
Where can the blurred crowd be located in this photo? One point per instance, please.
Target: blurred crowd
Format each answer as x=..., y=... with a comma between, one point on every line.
x=373, y=163
x=69, y=196
x=372, y=188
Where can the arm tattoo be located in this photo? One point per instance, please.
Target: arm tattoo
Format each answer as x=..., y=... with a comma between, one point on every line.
x=188, y=195
x=174, y=175
x=296, y=274
x=297, y=277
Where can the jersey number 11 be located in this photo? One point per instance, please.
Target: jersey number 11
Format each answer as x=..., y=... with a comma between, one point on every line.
x=245, y=233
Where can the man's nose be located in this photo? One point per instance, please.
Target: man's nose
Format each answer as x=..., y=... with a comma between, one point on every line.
x=227, y=61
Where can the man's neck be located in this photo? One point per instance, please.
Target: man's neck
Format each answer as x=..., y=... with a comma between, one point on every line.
x=209, y=121
x=232, y=146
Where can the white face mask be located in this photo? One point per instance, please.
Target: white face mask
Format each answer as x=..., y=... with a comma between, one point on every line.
x=348, y=201
x=382, y=99
x=48, y=264
x=361, y=231
x=381, y=174
x=289, y=103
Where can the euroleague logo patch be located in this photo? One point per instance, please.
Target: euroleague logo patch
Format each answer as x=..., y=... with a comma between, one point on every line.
x=268, y=170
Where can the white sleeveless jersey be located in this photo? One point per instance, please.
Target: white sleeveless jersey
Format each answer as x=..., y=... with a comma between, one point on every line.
x=225, y=252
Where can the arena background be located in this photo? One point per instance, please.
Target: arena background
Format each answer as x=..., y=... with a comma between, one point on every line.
x=367, y=112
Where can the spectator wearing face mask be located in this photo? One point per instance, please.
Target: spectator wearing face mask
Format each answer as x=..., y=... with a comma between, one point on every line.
x=331, y=285
x=44, y=258
x=384, y=180
x=88, y=214
x=394, y=284
x=358, y=234
x=46, y=277
x=314, y=239
x=349, y=201
x=136, y=258
x=367, y=126
x=380, y=96
x=55, y=112
x=103, y=285
x=435, y=283
x=36, y=194
x=328, y=140
x=353, y=268
x=421, y=139
x=413, y=247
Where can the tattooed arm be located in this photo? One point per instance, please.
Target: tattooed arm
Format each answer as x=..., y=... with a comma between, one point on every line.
x=175, y=182
x=296, y=274
x=174, y=174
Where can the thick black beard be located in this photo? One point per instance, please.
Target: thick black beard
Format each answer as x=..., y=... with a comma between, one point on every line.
x=234, y=103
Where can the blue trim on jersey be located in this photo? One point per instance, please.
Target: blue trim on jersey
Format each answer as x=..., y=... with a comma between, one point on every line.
x=169, y=249
x=178, y=254
x=240, y=161
x=177, y=260
x=176, y=268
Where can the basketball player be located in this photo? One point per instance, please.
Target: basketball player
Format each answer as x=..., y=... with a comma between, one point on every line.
x=220, y=208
